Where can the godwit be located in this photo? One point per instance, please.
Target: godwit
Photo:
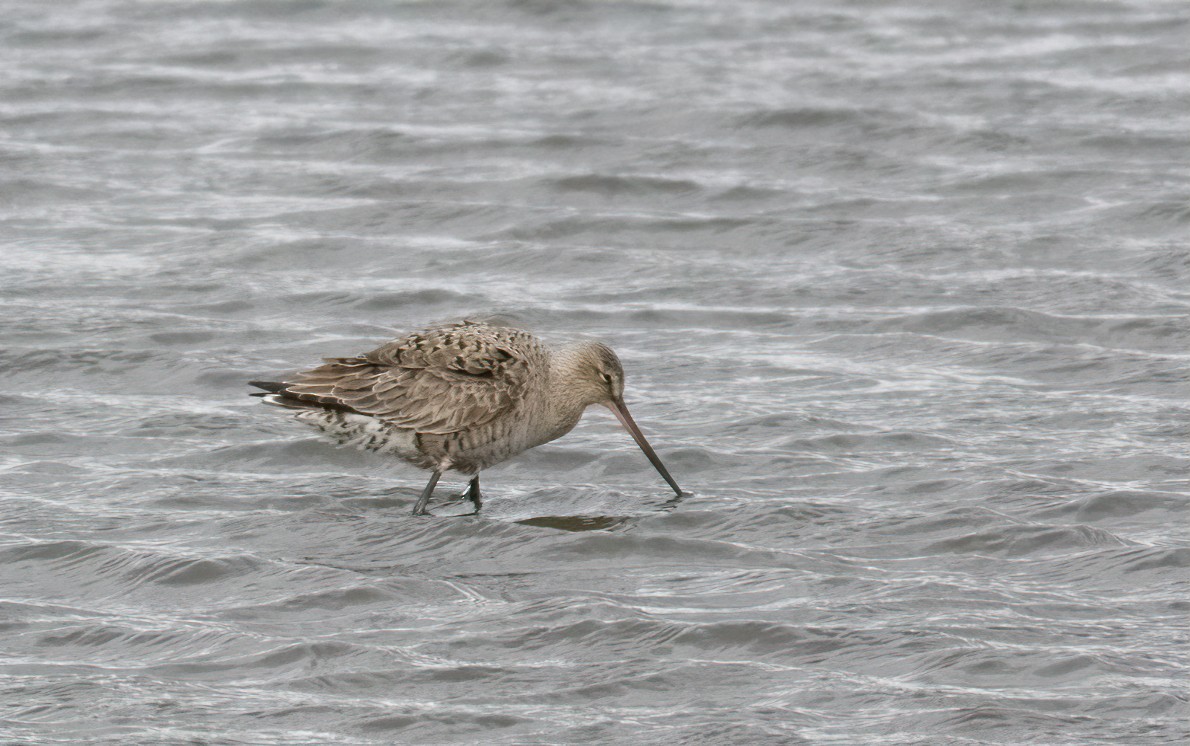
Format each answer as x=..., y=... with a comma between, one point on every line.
x=463, y=396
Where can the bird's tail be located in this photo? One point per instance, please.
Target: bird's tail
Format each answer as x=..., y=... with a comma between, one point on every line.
x=278, y=394
x=270, y=387
x=274, y=393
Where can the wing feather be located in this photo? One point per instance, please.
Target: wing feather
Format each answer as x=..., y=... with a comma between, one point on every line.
x=442, y=380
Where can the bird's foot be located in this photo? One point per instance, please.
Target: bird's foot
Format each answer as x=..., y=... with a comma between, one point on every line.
x=424, y=500
x=472, y=493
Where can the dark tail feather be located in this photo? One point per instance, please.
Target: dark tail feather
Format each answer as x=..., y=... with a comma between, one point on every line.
x=271, y=387
x=278, y=394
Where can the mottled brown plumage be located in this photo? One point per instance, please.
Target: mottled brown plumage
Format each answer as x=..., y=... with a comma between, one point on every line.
x=461, y=397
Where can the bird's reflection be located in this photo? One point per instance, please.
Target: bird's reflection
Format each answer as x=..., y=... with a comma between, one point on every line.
x=578, y=522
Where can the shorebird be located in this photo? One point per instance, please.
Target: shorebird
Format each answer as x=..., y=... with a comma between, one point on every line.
x=461, y=397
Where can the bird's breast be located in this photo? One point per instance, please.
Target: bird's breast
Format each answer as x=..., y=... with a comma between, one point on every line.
x=554, y=427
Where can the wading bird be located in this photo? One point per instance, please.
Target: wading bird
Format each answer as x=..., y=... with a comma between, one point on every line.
x=461, y=397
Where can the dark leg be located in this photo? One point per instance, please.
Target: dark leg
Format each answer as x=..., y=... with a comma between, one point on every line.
x=420, y=508
x=472, y=493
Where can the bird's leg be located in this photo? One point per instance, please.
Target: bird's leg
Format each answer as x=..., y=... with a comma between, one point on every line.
x=420, y=508
x=472, y=493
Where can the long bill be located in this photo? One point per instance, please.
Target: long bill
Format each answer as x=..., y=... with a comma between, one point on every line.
x=618, y=408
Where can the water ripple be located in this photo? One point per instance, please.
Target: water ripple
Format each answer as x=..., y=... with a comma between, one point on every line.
x=901, y=294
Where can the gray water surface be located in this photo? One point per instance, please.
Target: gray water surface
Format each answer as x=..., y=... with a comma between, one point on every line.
x=903, y=293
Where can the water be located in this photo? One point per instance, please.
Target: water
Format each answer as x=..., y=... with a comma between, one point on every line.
x=902, y=291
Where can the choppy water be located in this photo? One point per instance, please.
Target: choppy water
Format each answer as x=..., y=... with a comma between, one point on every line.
x=903, y=291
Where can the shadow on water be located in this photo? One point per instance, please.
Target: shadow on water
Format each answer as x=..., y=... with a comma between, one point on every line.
x=594, y=522
x=577, y=522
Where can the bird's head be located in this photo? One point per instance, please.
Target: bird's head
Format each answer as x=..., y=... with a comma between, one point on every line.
x=600, y=376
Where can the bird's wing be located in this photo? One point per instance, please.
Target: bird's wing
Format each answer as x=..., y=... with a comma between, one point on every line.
x=441, y=380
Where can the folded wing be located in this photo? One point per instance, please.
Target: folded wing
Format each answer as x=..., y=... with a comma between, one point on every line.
x=442, y=380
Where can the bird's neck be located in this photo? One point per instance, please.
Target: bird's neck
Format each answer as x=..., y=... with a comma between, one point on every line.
x=567, y=395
